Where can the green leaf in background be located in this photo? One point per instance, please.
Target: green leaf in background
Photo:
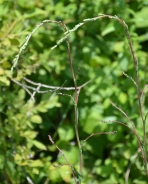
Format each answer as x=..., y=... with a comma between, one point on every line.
x=1, y=71
x=21, y=94
x=35, y=163
x=90, y=123
x=109, y=28
x=39, y=145
x=71, y=153
x=54, y=174
x=43, y=106
x=36, y=119
x=118, y=47
x=105, y=171
x=20, y=160
x=141, y=18
x=4, y=81
x=122, y=98
x=137, y=181
x=66, y=132
x=14, y=41
x=65, y=173
x=9, y=170
x=29, y=134
x=4, y=7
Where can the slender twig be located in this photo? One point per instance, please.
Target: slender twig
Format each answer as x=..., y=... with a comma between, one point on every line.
x=50, y=87
x=29, y=180
x=98, y=133
x=133, y=130
x=141, y=144
x=130, y=78
x=23, y=47
x=123, y=114
x=47, y=181
x=77, y=91
x=23, y=85
x=50, y=138
x=55, y=88
x=37, y=89
x=139, y=100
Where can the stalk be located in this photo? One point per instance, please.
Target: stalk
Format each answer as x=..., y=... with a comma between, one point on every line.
x=77, y=91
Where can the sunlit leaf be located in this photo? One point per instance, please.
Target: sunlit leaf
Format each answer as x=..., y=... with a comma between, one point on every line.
x=36, y=119
x=39, y=145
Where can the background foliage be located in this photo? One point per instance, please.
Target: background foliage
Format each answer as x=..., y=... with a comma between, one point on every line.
x=99, y=49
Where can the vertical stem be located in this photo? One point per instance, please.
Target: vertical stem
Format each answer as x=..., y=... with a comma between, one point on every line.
x=76, y=103
x=76, y=97
x=77, y=136
x=139, y=101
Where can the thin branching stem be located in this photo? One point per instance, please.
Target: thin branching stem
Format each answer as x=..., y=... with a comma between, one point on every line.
x=124, y=115
x=50, y=138
x=78, y=88
x=141, y=145
x=133, y=130
x=77, y=91
x=98, y=133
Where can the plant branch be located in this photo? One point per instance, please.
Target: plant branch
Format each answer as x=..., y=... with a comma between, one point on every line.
x=124, y=114
x=141, y=144
x=98, y=133
x=77, y=91
x=50, y=138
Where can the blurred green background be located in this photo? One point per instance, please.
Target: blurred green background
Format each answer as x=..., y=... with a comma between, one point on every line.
x=98, y=48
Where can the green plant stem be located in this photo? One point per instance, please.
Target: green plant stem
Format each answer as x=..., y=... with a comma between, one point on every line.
x=77, y=91
x=76, y=96
x=140, y=106
x=50, y=138
x=137, y=83
x=77, y=136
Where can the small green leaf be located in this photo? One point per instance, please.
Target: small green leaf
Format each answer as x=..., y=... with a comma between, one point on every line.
x=4, y=81
x=36, y=119
x=118, y=47
x=35, y=163
x=141, y=18
x=123, y=98
x=14, y=41
x=29, y=134
x=39, y=145
x=65, y=173
x=21, y=94
x=1, y=71
x=48, y=104
x=66, y=132
x=110, y=28
x=54, y=174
